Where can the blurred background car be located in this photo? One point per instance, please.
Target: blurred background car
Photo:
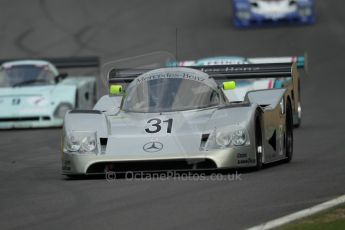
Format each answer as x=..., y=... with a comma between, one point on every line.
x=33, y=93
x=270, y=12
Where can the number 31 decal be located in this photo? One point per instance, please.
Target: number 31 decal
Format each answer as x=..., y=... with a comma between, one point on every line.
x=156, y=125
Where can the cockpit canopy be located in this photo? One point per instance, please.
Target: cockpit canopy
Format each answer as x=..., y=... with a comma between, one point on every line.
x=171, y=89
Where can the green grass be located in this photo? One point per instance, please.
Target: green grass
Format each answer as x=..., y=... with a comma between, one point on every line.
x=333, y=219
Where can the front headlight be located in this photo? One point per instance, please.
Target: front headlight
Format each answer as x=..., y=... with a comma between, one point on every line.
x=73, y=144
x=88, y=144
x=227, y=137
x=223, y=139
x=239, y=137
x=81, y=142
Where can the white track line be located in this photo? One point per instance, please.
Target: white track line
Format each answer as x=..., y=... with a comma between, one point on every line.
x=300, y=214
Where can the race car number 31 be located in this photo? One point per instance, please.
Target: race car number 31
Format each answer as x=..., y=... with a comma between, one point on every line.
x=156, y=125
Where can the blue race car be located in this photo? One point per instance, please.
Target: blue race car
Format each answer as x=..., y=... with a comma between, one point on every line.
x=33, y=93
x=271, y=12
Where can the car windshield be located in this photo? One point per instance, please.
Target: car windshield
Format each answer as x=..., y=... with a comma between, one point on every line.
x=21, y=75
x=169, y=94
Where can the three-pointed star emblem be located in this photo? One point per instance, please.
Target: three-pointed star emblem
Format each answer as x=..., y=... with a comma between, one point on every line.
x=153, y=146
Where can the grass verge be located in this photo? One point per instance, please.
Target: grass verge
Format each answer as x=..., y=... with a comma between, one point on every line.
x=332, y=219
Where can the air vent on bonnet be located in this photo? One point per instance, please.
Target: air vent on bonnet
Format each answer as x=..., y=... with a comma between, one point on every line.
x=204, y=138
x=104, y=142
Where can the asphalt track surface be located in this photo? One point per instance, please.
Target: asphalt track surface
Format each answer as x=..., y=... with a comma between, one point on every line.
x=33, y=194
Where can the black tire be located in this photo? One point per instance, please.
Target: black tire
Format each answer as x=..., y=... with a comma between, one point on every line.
x=288, y=133
x=258, y=141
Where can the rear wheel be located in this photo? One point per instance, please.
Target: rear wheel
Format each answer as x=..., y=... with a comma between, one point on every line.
x=289, y=133
x=258, y=141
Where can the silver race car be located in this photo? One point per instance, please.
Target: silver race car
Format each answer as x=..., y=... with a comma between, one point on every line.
x=180, y=119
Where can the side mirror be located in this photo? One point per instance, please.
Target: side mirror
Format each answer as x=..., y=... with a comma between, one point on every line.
x=60, y=77
x=229, y=85
x=115, y=89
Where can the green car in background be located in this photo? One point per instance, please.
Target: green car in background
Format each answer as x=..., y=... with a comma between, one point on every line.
x=33, y=93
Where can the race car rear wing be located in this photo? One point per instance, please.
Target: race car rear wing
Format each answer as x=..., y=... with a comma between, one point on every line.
x=65, y=62
x=301, y=62
x=220, y=72
x=249, y=71
x=267, y=70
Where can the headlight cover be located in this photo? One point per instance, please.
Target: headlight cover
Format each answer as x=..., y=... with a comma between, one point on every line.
x=239, y=137
x=80, y=142
x=227, y=137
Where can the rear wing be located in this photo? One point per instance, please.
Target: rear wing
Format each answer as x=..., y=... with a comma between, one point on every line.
x=250, y=71
x=65, y=62
x=301, y=61
x=221, y=72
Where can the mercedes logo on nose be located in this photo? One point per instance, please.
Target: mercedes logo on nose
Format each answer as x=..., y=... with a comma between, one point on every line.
x=152, y=147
